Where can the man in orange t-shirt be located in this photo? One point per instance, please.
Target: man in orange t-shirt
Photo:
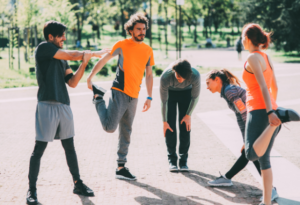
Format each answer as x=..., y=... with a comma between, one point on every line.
x=134, y=58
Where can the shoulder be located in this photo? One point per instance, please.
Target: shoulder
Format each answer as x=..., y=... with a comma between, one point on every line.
x=146, y=46
x=120, y=43
x=195, y=73
x=44, y=45
x=233, y=90
x=252, y=57
x=167, y=74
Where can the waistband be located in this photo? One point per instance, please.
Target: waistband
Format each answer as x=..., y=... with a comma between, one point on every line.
x=51, y=102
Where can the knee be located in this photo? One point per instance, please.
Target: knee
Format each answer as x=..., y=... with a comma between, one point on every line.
x=39, y=149
x=251, y=155
x=109, y=129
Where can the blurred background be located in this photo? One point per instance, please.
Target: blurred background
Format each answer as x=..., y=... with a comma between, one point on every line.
x=175, y=26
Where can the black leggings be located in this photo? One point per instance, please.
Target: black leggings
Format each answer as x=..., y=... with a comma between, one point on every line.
x=239, y=165
x=35, y=159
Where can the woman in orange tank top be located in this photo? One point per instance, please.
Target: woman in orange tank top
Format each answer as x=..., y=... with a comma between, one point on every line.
x=264, y=117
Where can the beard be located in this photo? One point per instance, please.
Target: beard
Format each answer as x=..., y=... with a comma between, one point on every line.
x=58, y=44
x=139, y=38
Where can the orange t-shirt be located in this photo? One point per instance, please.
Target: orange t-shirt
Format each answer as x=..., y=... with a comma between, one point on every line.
x=255, y=100
x=132, y=62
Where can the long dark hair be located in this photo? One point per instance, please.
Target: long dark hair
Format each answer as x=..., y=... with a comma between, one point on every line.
x=226, y=76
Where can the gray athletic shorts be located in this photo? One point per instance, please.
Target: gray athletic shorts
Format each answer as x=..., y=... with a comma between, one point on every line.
x=53, y=120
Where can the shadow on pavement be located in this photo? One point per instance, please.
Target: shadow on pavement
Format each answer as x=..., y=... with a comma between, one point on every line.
x=238, y=193
x=284, y=201
x=85, y=200
x=165, y=197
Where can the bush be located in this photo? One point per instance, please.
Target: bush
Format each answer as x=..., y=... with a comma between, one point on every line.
x=114, y=66
x=158, y=71
x=74, y=67
x=104, y=71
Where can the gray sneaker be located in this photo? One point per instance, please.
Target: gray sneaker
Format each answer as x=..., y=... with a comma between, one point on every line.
x=221, y=181
x=274, y=194
x=184, y=168
x=173, y=168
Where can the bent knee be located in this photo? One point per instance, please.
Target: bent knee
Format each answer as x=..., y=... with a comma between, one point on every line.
x=251, y=155
x=109, y=129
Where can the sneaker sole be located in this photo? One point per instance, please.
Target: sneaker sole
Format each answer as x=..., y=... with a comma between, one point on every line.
x=220, y=184
x=184, y=170
x=173, y=170
x=272, y=199
x=32, y=203
x=293, y=115
x=79, y=193
x=125, y=178
x=100, y=88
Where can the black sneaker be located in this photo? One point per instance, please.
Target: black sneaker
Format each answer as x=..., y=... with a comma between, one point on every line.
x=287, y=115
x=98, y=91
x=124, y=174
x=81, y=189
x=31, y=198
x=173, y=167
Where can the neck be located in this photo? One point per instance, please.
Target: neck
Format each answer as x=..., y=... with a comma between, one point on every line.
x=219, y=89
x=253, y=48
x=138, y=42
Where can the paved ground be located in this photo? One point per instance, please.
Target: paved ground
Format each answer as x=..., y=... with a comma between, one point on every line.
x=147, y=157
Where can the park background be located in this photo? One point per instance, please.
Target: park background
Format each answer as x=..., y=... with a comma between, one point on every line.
x=97, y=24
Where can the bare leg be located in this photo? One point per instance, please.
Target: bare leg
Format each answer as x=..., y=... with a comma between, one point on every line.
x=267, y=177
x=261, y=144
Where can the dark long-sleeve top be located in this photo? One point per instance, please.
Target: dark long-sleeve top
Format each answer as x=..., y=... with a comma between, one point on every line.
x=168, y=82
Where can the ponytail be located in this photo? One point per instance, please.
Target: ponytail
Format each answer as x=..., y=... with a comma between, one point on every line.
x=226, y=77
x=257, y=35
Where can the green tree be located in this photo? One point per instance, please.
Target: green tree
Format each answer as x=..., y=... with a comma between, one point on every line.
x=282, y=17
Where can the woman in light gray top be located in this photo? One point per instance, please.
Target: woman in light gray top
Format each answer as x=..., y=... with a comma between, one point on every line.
x=179, y=84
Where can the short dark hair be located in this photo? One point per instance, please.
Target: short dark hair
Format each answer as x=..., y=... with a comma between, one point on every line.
x=134, y=19
x=183, y=68
x=54, y=28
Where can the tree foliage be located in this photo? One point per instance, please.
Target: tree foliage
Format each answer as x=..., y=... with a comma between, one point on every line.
x=282, y=17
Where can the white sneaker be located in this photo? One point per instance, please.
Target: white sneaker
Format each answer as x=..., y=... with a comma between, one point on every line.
x=221, y=181
x=173, y=168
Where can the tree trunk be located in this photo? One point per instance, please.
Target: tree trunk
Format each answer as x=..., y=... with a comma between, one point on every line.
x=78, y=28
x=122, y=18
x=166, y=29
x=195, y=33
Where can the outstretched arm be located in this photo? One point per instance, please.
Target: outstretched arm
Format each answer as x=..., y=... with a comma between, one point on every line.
x=99, y=65
x=76, y=55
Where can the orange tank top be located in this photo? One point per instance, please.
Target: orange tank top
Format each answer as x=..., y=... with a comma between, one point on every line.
x=255, y=100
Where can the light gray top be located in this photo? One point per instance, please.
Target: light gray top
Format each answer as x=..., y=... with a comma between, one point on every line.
x=168, y=82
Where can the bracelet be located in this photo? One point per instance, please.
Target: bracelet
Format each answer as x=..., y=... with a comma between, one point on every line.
x=149, y=98
x=268, y=113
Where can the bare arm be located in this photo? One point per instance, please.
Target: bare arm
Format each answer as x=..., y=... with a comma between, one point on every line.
x=76, y=55
x=99, y=65
x=149, y=85
x=73, y=82
x=149, y=80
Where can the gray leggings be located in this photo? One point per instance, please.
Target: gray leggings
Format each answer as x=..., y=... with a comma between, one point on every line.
x=257, y=122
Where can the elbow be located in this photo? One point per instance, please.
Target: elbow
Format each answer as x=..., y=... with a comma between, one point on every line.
x=73, y=84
